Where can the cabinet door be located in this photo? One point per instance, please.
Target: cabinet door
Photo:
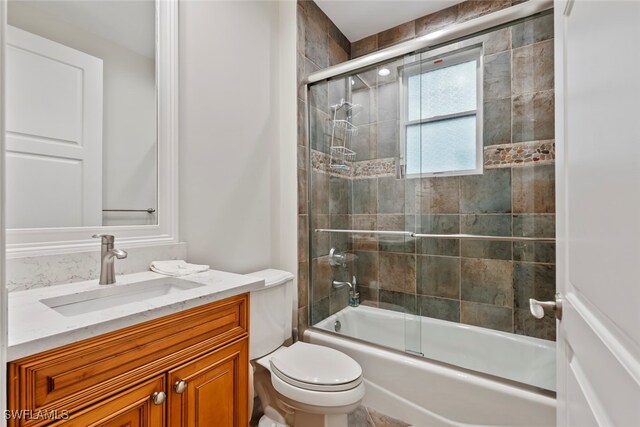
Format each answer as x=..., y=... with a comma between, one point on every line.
x=132, y=408
x=214, y=389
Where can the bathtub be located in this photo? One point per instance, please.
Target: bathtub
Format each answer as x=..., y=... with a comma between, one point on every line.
x=468, y=375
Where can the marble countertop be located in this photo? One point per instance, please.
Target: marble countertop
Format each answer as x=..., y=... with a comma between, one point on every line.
x=34, y=327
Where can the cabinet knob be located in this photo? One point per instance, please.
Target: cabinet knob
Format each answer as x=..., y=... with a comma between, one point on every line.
x=180, y=386
x=159, y=397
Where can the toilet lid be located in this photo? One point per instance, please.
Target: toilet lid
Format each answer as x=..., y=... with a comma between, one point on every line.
x=316, y=367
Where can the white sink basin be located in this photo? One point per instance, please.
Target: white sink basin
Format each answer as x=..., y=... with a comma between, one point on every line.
x=112, y=296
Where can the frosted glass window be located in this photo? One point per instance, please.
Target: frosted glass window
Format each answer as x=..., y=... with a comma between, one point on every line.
x=443, y=91
x=440, y=120
x=442, y=146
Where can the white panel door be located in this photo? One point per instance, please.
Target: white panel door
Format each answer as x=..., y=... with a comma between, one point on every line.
x=53, y=134
x=598, y=175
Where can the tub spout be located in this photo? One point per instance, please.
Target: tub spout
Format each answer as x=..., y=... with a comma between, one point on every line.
x=354, y=295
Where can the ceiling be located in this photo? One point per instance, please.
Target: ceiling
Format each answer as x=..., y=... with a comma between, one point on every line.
x=358, y=19
x=127, y=23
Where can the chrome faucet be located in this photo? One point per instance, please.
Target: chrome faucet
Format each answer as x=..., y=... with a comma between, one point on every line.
x=354, y=295
x=108, y=253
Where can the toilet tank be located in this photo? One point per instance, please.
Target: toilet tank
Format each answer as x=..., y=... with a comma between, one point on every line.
x=271, y=312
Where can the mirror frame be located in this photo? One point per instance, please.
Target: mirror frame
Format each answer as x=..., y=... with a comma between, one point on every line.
x=56, y=240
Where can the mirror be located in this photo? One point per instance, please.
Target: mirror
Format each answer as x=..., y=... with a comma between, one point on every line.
x=81, y=114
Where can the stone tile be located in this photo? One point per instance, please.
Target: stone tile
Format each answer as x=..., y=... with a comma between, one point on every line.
x=487, y=225
x=303, y=240
x=359, y=418
x=302, y=123
x=339, y=195
x=439, y=224
x=340, y=241
x=319, y=96
x=533, y=281
x=534, y=226
x=396, y=34
x=318, y=130
x=321, y=277
x=533, y=116
x=487, y=281
x=365, y=242
x=397, y=272
x=397, y=301
x=364, y=46
x=320, y=192
x=497, y=76
x=337, y=36
x=365, y=142
x=532, y=31
x=438, y=276
x=497, y=122
x=303, y=284
x=532, y=68
x=366, y=269
x=486, y=193
x=381, y=420
x=497, y=41
x=392, y=77
x=336, y=53
x=439, y=195
x=367, y=99
x=337, y=90
x=302, y=192
x=300, y=74
x=526, y=324
x=300, y=23
x=338, y=299
x=315, y=14
x=321, y=242
x=439, y=308
x=303, y=320
x=388, y=102
x=486, y=316
x=436, y=21
x=395, y=243
x=302, y=157
x=319, y=310
x=315, y=43
x=388, y=139
x=534, y=189
x=474, y=8
x=392, y=195
x=368, y=296
x=365, y=196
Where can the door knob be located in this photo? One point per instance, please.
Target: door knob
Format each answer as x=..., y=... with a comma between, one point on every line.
x=538, y=307
x=158, y=397
x=180, y=386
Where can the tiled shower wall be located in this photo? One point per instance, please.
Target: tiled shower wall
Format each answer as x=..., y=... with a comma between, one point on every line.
x=481, y=283
x=320, y=44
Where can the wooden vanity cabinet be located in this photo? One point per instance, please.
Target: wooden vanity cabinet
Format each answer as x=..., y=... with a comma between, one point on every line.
x=185, y=369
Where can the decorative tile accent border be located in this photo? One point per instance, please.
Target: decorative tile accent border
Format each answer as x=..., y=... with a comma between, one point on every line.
x=364, y=169
x=519, y=153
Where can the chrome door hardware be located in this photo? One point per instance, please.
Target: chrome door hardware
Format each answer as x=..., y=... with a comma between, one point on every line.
x=337, y=259
x=158, y=397
x=180, y=386
x=538, y=307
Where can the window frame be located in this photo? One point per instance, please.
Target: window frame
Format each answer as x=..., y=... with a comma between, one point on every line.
x=426, y=64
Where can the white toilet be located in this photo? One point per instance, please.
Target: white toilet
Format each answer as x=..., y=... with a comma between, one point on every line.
x=304, y=385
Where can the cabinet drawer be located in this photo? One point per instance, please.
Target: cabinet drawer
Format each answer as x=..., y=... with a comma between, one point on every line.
x=78, y=375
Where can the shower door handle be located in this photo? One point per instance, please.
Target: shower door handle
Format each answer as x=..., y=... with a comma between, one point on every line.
x=538, y=307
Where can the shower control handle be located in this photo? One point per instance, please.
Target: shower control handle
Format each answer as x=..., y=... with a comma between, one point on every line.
x=538, y=307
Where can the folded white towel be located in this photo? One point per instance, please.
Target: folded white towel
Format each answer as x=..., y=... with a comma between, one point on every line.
x=176, y=268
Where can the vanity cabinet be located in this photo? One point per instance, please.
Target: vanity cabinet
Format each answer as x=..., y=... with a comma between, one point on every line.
x=185, y=369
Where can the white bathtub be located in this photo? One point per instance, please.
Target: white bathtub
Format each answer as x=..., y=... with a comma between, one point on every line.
x=427, y=393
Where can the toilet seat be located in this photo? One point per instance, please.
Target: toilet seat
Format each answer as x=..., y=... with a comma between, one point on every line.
x=316, y=368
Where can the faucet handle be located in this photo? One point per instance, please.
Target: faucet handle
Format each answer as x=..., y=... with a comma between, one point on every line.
x=106, y=238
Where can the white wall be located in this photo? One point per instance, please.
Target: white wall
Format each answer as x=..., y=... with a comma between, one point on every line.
x=129, y=123
x=237, y=134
